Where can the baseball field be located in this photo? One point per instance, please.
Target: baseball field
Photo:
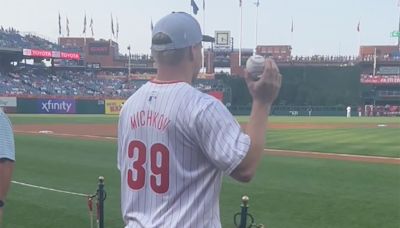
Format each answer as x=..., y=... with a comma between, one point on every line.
x=317, y=172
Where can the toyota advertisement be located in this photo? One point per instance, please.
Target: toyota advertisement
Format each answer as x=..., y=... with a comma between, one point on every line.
x=51, y=54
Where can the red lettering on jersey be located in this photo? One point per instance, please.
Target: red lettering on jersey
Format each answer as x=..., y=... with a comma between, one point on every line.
x=142, y=121
x=151, y=119
x=154, y=120
x=166, y=122
x=159, y=125
x=133, y=122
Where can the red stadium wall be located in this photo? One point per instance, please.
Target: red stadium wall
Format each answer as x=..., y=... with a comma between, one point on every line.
x=217, y=94
x=366, y=51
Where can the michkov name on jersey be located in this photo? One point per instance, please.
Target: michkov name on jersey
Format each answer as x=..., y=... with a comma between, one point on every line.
x=149, y=119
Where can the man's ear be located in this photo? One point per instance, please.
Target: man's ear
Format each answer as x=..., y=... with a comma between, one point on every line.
x=191, y=57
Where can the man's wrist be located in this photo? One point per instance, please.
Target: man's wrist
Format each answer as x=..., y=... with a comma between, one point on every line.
x=262, y=105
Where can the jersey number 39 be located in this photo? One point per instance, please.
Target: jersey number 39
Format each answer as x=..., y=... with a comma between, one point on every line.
x=159, y=163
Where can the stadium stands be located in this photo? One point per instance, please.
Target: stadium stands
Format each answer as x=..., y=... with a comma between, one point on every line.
x=41, y=81
x=11, y=38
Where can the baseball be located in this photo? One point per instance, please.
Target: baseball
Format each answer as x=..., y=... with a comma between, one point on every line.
x=255, y=66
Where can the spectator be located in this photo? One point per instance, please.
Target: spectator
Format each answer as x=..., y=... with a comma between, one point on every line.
x=7, y=158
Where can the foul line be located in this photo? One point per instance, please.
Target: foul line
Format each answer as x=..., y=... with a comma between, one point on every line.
x=66, y=134
x=49, y=189
x=332, y=154
x=294, y=152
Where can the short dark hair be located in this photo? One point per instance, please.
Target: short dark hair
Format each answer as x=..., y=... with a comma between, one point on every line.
x=169, y=57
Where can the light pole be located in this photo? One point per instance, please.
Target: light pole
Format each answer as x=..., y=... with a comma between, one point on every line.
x=129, y=61
x=241, y=31
x=257, y=5
x=398, y=32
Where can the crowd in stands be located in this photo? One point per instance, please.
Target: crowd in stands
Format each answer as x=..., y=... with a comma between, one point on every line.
x=387, y=57
x=335, y=59
x=323, y=58
x=41, y=81
x=381, y=110
x=15, y=86
x=11, y=38
x=209, y=85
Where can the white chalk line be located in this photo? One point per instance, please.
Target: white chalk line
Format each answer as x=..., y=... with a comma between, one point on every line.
x=286, y=151
x=49, y=189
x=66, y=134
x=334, y=154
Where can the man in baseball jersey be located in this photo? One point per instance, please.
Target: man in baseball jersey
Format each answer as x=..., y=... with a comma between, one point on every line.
x=348, y=110
x=175, y=143
x=7, y=158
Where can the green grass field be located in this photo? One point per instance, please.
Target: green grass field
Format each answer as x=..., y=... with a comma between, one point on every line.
x=287, y=192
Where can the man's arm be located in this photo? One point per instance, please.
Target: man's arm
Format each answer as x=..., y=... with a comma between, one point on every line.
x=256, y=130
x=7, y=158
x=264, y=91
x=6, y=169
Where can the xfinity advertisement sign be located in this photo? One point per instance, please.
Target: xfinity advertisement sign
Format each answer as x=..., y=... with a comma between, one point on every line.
x=59, y=106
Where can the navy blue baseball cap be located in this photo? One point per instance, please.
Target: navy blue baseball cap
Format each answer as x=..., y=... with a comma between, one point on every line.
x=181, y=28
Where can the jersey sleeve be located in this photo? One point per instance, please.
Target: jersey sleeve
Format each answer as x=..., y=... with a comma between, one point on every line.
x=220, y=137
x=7, y=147
x=119, y=140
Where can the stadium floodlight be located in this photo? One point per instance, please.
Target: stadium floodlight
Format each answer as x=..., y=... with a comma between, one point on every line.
x=129, y=61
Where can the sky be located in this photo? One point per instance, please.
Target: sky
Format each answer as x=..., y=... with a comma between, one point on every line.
x=320, y=26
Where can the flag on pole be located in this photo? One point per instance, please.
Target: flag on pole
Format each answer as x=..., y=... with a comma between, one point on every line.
x=358, y=26
x=240, y=3
x=117, y=29
x=91, y=26
x=204, y=5
x=59, y=24
x=194, y=6
x=112, y=26
x=67, y=27
x=84, y=25
x=292, y=28
x=151, y=25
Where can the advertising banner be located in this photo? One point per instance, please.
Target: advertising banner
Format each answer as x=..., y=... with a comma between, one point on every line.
x=51, y=54
x=70, y=55
x=41, y=53
x=99, y=48
x=389, y=70
x=8, y=102
x=56, y=106
x=113, y=107
x=379, y=79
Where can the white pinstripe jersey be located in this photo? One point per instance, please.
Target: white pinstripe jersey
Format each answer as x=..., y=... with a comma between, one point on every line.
x=174, y=145
x=7, y=148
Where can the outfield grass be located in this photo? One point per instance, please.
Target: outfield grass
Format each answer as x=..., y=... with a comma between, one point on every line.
x=104, y=119
x=325, y=120
x=287, y=192
x=63, y=119
x=374, y=141
x=379, y=141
